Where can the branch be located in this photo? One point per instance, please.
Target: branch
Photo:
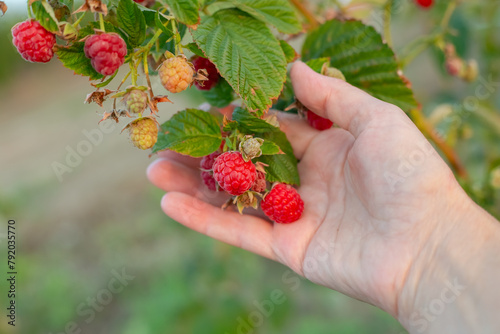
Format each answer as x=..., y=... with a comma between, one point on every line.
x=427, y=129
x=313, y=21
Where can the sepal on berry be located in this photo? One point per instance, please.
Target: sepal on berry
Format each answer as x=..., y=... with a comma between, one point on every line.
x=246, y=200
x=67, y=31
x=114, y=115
x=332, y=72
x=250, y=147
x=93, y=6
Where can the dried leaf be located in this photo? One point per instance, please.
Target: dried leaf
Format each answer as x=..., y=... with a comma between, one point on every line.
x=3, y=7
x=98, y=96
x=94, y=6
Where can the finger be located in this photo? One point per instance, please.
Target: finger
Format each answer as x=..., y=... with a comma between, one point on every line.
x=228, y=110
x=247, y=232
x=298, y=132
x=184, y=159
x=170, y=175
x=349, y=107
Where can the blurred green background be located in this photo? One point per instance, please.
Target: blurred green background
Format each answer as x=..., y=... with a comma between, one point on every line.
x=78, y=236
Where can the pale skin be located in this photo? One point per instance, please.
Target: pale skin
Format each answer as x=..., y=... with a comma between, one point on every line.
x=385, y=220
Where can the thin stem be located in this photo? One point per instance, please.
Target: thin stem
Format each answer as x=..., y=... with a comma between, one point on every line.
x=146, y=72
x=313, y=21
x=452, y=5
x=489, y=117
x=77, y=22
x=415, y=50
x=153, y=40
x=438, y=35
x=387, y=22
x=101, y=22
x=118, y=88
x=133, y=70
x=30, y=15
x=423, y=125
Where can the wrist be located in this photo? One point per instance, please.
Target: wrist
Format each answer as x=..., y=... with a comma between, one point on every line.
x=450, y=281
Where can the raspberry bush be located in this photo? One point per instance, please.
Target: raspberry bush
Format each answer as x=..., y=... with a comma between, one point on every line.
x=234, y=52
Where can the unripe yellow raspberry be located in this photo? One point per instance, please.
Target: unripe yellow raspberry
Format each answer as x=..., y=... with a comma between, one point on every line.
x=143, y=133
x=176, y=74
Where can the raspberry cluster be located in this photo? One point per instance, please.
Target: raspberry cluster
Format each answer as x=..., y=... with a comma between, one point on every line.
x=283, y=204
x=233, y=173
x=425, y=3
x=33, y=41
x=206, y=165
x=318, y=122
x=230, y=172
x=136, y=101
x=106, y=52
x=176, y=74
x=143, y=133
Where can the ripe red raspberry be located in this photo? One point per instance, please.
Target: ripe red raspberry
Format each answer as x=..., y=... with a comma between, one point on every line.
x=425, y=3
x=176, y=74
x=106, y=52
x=213, y=75
x=33, y=41
x=234, y=174
x=283, y=204
x=143, y=133
x=318, y=122
x=260, y=182
x=206, y=164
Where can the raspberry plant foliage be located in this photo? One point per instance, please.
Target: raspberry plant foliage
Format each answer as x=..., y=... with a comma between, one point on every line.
x=234, y=51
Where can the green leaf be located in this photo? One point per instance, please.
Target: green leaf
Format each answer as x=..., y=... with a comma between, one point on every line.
x=270, y=148
x=282, y=167
x=290, y=54
x=213, y=7
x=278, y=13
x=45, y=15
x=155, y=19
x=170, y=46
x=160, y=24
x=219, y=96
x=191, y=132
x=186, y=11
x=358, y=51
x=317, y=64
x=132, y=21
x=249, y=123
x=89, y=29
x=247, y=55
x=195, y=49
x=68, y=3
x=74, y=58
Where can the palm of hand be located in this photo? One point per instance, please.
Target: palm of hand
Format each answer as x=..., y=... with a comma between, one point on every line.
x=359, y=232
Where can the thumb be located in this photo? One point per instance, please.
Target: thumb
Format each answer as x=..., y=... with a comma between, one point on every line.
x=347, y=106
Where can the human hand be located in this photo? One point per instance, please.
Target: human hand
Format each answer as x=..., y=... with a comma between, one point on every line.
x=374, y=189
